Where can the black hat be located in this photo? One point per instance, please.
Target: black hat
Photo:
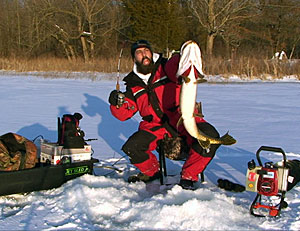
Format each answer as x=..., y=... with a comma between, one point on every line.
x=139, y=44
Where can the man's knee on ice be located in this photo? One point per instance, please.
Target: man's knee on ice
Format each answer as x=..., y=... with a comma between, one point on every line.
x=137, y=145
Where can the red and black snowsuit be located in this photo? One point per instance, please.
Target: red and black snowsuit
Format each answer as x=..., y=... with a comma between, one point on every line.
x=158, y=104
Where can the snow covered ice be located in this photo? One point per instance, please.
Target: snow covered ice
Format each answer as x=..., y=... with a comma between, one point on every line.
x=256, y=113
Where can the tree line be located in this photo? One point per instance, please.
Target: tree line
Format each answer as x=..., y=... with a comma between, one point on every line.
x=88, y=29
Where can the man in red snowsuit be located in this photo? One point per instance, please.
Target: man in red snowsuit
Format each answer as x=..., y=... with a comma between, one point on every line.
x=153, y=89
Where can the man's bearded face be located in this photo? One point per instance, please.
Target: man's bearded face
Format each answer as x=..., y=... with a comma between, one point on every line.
x=143, y=60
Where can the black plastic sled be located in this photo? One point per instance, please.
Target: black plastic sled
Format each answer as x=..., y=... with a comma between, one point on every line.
x=43, y=177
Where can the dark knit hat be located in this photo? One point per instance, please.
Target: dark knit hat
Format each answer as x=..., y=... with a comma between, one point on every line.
x=139, y=44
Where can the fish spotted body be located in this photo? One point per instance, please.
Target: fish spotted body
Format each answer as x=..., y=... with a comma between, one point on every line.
x=190, y=68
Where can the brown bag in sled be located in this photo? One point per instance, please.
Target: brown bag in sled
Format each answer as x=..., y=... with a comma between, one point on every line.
x=16, y=152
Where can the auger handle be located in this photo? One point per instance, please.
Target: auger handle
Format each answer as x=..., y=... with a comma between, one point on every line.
x=270, y=149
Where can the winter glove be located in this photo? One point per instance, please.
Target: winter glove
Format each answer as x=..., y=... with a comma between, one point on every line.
x=113, y=98
x=116, y=98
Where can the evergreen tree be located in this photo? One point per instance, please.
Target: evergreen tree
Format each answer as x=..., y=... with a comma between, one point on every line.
x=161, y=22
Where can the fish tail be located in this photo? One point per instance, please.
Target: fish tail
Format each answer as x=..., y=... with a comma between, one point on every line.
x=227, y=139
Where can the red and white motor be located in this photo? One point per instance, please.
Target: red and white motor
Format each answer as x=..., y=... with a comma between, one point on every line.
x=270, y=182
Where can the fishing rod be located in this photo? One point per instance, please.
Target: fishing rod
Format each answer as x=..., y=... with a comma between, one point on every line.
x=118, y=73
x=121, y=96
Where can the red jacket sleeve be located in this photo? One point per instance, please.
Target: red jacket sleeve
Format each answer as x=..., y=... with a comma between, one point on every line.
x=171, y=67
x=126, y=111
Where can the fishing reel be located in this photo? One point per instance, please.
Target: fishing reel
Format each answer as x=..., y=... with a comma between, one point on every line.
x=120, y=99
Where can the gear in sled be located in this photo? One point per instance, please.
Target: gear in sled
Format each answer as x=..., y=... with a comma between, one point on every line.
x=71, y=145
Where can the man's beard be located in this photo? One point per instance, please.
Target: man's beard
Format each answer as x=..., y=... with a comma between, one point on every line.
x=144, y=69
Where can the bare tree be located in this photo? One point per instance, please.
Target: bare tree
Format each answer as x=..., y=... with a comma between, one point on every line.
x=91, y=28
x=64, y=39
x=215, y=16
x=85, y=20
x=280, y=20
x=10, y=27
x=34, y=31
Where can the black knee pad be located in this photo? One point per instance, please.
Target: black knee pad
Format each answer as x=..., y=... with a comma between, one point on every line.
x=137, y=145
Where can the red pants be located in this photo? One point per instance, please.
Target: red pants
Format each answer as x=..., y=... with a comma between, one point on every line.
x=140, y=145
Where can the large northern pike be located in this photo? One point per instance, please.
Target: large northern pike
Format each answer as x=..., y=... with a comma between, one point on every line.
x=190, y=65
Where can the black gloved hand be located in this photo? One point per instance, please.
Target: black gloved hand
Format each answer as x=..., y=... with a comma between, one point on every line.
x=113, y=98
x=116, y=98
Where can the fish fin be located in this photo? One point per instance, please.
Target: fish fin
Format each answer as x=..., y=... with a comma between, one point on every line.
x=198, y=115
x=201, y=81
x=179, y=122
x=227, y=139
x=205, y=144
x=186, y=79
x=200, y=78
x=198, y=107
